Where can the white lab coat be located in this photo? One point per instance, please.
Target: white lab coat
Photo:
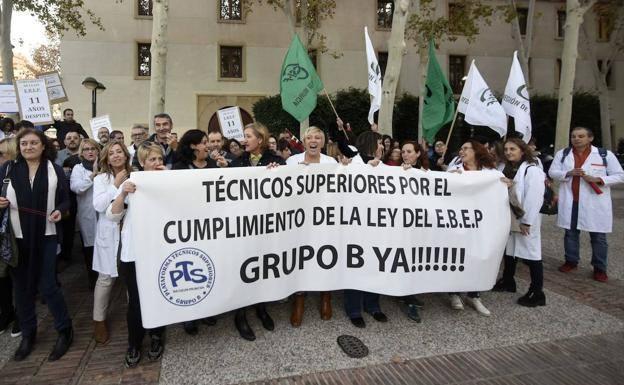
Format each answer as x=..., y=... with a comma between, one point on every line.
x=300, y=158
x=126, y=231
x=595, y=211
x=530, y=192
x=107, y=231
x=81, y=184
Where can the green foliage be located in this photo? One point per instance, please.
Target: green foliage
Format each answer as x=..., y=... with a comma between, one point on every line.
x=352, y=106
x=269, y=112
x=405, y=118
x=60, y=16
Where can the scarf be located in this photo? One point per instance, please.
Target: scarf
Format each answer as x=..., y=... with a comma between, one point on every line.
x=87, y=165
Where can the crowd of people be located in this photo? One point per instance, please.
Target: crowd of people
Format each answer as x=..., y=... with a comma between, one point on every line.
x=52, y=185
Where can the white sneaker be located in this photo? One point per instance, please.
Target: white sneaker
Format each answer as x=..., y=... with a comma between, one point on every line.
x=456, y=302
x=478, y=306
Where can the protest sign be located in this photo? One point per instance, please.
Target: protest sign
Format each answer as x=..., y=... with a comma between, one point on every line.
x=8, y=99
x=33, y=102
x=231, y=123
x=56, y=91
x=210, y=241
x=100, y=122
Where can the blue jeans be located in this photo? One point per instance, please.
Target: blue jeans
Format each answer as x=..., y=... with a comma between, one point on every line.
x=47, y=285
x=353, y=300
x=571, y=244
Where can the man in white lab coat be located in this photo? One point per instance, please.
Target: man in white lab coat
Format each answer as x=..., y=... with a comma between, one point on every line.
x=585, y=174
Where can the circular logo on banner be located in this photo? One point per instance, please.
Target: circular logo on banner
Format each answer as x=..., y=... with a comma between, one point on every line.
x=186, y=277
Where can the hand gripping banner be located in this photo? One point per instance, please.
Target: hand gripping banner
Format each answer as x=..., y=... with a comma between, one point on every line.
x=210, y=241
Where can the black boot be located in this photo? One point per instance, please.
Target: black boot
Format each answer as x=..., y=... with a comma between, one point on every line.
x=25, y=348
x=504, y=284
x=532, y=299
x=240, y=320
x=265, y=318
x=63, y=342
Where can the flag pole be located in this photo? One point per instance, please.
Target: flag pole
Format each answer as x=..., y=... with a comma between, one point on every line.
x=336, y=113
x=448, y=137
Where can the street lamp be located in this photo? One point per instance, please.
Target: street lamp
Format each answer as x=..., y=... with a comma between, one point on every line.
x=93, y=85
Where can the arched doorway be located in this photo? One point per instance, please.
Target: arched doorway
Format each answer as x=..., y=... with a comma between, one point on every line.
x=213, y=124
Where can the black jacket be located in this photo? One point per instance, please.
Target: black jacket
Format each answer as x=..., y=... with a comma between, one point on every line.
x=267, y=158
x=63, y=127
x=170, y=158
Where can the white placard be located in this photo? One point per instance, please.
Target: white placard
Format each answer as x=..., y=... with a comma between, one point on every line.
x=56, y=91
x=100, y=122
x=33, y=102
x=8, y=99
x=214, y=240
x=231, y=123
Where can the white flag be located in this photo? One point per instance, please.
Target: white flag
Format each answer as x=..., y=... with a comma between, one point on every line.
x=516, y=100
x=374, y=78
x=479, y=105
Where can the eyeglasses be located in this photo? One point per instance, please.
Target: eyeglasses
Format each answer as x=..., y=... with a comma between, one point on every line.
x=89, y=149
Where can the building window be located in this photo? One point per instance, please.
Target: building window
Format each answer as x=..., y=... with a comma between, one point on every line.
x=557, y=72
x=382, y=59
x=561, y=19
x=144, y=60
x=523, y=17
x=313, y=54
x=231, y=62
x=144, y=8
x=605, y=26
x=457, y=71
x=609, y=77
x=385, y=10
x=230, y=10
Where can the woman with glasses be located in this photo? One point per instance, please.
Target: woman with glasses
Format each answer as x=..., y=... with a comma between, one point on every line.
x=37, y=196
x=81, y=183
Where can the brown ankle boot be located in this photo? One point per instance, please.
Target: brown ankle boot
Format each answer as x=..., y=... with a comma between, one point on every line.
x=326, y=309
x=297, y=313
x=100, y=332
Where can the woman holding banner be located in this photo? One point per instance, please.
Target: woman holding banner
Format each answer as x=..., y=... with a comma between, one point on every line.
x=524, y=174
x=473, y=156
x=81, y=183
x=313, y=142
x=256, y=154
x=150, y=156
x=114, y=170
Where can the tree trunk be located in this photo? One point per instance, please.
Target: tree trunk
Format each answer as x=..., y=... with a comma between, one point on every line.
x=396, y=50
x=6, y=49
x=158, y=79
x=575, y=12
x=423, y=54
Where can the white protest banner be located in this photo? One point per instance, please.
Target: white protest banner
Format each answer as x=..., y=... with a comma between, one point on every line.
x=8, y=99
x=100, y=122
x=516, y=100
x=56, y=91
x=210, y=241
x=479, y=105
x=33, y=102
x=231, y=123
x=374, y=77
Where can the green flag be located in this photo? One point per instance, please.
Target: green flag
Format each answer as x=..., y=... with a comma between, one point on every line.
x=299, y=82
x=439, y=105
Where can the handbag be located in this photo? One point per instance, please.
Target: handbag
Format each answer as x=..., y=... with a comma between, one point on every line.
x=516, y=211
x=8, y=244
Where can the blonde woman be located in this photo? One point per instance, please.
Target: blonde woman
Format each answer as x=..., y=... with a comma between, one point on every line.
x=81, y=183
x=114, y=169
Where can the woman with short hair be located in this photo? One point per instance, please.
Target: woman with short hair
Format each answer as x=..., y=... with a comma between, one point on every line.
x=81, y=183
x=150, y=156
x=524, y=174
x=37, y=196
x=256, y=154
x=473, y=156
x=114, y=169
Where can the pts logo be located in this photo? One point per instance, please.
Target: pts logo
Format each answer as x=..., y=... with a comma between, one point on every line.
x=186, y=277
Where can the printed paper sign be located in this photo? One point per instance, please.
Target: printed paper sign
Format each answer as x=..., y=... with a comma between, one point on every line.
x=210, y=241
x=56, y=91
x=8, y=99
x=100, y=122
x=33, y=101
x=231, y=123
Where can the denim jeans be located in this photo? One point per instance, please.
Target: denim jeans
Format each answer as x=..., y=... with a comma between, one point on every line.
x=47, y=285
x=571, y=244
x=354, y=299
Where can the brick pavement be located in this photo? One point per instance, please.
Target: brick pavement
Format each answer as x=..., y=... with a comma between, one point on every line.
x=582, y=360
